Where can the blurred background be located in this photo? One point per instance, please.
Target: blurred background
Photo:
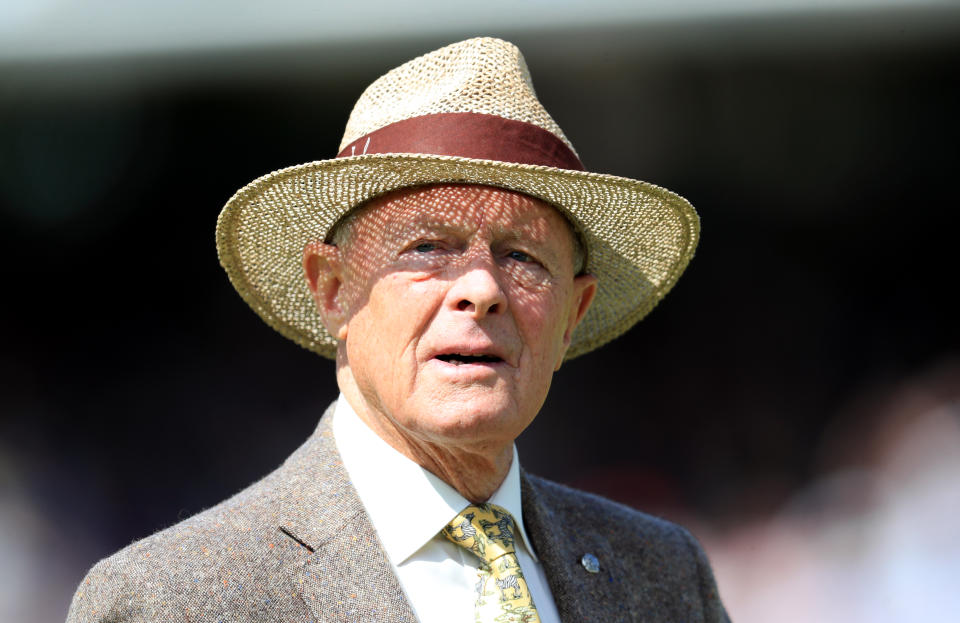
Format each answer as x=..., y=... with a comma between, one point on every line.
x=795, y=400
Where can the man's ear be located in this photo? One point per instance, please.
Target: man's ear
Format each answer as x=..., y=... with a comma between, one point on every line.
x=324, y=271
x=584, y=289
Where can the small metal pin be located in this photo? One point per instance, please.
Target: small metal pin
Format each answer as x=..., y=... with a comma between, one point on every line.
x=590, y=563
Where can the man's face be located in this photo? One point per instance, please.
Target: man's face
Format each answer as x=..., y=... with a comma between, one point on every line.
x=458, y=305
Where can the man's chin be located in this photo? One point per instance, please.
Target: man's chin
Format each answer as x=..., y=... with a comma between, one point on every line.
x=470, y=415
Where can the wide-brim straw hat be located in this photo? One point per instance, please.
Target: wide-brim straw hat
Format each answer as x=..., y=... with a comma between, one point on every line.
x=466, y=113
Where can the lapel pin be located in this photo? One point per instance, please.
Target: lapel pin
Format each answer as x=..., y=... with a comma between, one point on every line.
x=590, y=563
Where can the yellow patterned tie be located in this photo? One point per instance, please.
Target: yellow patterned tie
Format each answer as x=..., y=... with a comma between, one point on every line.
x=502, y=592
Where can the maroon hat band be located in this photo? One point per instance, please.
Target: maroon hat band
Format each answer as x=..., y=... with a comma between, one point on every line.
x=469, y=135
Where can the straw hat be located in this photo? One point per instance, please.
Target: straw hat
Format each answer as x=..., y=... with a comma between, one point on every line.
x=465, y=113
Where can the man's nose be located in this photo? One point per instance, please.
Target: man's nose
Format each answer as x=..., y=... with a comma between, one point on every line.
x=477, y=290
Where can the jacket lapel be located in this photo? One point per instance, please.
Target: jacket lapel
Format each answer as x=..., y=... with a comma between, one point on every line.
x=344, y=574
x=350, y=579
x=561, y=539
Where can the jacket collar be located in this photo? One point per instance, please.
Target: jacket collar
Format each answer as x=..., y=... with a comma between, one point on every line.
x=346, y=575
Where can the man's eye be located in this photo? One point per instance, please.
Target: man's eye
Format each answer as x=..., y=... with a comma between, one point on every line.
x=425, y=247
x=520, y=256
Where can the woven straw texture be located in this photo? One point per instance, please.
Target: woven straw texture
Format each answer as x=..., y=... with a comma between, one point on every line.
x=482, y=75
x=639, y=237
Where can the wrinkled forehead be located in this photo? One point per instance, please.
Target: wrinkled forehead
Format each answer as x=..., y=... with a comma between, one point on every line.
x=461, y=208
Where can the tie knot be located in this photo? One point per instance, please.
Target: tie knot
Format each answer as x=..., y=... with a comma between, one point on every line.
x=484, y=529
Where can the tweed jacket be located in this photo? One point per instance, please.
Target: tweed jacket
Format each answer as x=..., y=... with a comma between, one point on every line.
x=298, y=546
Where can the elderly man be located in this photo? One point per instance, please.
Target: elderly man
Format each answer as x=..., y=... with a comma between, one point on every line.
x=449, y=259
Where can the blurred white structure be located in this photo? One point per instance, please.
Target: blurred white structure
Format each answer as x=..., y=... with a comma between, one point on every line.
x=32, y=30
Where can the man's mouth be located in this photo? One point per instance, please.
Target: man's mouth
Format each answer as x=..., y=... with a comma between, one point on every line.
x=460, y=359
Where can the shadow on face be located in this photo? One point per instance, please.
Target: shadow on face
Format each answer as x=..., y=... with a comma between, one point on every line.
x=456, y=300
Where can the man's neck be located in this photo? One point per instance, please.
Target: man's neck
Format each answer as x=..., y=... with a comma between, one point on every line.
x=475, y=471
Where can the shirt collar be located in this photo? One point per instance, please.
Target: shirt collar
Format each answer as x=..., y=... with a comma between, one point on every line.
x=388, y=484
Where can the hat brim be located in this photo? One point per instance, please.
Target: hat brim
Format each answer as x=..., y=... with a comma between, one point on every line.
x=639, y=237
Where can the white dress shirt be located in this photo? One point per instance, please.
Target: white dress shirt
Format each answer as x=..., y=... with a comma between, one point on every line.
x=408, y=507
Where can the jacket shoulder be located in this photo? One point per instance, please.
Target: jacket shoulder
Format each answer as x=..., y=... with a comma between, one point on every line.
x=629, y=522
x=228, y=559
x=225, y=559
